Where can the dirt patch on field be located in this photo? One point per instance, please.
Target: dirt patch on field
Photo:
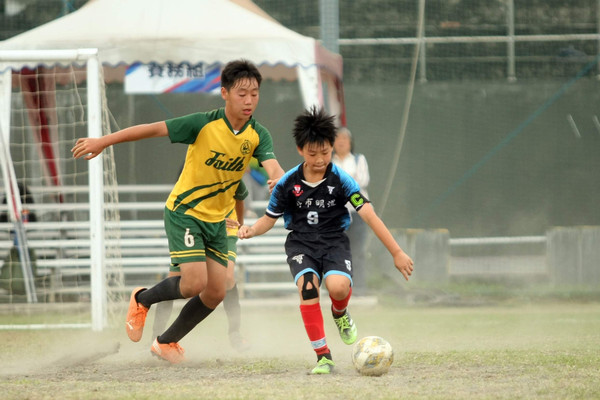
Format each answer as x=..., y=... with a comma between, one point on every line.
x=543, y=352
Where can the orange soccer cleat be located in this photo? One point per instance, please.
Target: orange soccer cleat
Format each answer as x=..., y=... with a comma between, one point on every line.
x=172, y=352
x=136, y=317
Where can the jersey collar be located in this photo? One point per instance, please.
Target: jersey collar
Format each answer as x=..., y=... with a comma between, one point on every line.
x=250, y=122
x=327, y=171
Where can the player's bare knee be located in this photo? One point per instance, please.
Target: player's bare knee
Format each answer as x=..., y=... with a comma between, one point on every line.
x=212, y=296
x=309, y=289
x=339, y=293
x=188, y=292
x=338, y=288
x=190, y=288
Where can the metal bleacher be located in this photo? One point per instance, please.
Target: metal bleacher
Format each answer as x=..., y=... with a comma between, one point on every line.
x=140, y=249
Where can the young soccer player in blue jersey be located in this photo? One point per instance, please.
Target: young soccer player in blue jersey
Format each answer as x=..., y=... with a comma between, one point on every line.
x=220, y=146
x=311, y=198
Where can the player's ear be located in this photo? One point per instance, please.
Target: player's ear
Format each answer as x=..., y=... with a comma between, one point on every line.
x=300, y=151
x=224, y=93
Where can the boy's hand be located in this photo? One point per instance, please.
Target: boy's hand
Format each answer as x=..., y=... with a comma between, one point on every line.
x=83, y=146
x=231, y=223
x=245, y=232
x=272, y=183
x=404, y=264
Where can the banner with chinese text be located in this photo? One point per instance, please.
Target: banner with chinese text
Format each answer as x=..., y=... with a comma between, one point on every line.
x=172, y=78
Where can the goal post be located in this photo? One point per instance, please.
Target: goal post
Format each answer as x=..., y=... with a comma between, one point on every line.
x=96, y=184
x=59, y=97
x=15, y=212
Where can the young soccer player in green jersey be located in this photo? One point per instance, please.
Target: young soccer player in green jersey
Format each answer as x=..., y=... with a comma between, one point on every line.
x=220, y=145
x=231, y=302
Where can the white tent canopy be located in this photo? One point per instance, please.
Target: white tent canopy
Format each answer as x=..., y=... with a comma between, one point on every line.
x=209, y=31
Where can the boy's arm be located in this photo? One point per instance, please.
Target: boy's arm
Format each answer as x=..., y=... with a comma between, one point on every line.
x=402, y=261
x=262, y=225
x=94, y=146
x=239, y=211
x=274, y=171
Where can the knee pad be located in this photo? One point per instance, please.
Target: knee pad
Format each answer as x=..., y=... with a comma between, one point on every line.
x=307, y=293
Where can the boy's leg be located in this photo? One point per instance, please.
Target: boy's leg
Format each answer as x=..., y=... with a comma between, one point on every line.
x=163, y=309
x=340, y=292
x=302, y=254
x=161, y=317
x=141, y=300
x=308, y=287
x=337, y=270
x=179, y=228
x=190, y=283
x=195, y=246
x=231, y=302
x=198, y=307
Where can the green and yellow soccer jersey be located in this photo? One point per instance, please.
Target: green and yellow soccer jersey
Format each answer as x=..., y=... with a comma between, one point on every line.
x=241, y=192
x=215, y=162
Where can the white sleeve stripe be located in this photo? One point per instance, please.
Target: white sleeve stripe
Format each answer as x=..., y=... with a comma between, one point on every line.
x=273, y=214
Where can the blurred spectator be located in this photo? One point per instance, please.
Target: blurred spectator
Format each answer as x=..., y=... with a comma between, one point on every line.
x=26, y=198
x=11, y=272
x=571, y=52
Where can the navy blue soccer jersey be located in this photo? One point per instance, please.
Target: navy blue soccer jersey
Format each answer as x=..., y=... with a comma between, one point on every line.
x=315, y=207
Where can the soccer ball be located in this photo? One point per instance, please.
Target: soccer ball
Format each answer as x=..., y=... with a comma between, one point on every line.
x=372, y=356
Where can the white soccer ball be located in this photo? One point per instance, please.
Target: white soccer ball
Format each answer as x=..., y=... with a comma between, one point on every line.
x=372, y=356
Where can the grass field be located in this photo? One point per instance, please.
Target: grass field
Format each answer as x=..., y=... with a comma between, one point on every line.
x=542, y=350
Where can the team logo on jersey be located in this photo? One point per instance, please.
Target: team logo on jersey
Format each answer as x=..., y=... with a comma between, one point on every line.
x=348, y=265
x=298, y=190
x=245, y=147
x=330, y=188
x=298, y=258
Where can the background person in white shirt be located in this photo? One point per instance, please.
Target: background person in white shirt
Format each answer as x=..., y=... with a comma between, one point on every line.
x=356, y=166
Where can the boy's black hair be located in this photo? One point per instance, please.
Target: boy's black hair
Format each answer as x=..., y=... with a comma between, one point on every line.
x=236, y=70
x=314, y=126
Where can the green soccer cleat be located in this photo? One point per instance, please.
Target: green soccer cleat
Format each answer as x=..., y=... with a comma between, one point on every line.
x=346, y=327
x=324, y=366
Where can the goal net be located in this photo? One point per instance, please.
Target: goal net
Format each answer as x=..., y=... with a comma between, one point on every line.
x=59, y=236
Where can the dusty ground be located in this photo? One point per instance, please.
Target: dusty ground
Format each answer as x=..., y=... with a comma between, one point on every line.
x=545, y=352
